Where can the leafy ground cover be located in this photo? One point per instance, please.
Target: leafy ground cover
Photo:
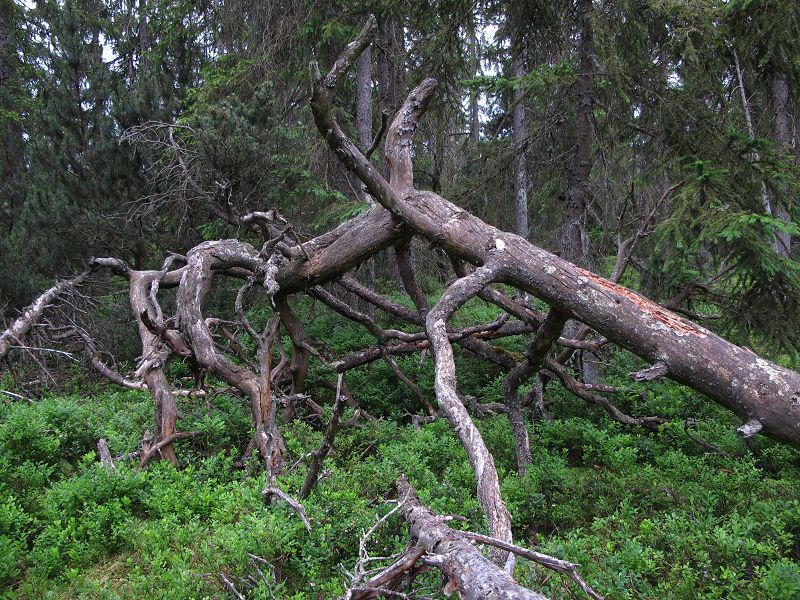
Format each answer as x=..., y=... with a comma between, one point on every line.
x=646, y=515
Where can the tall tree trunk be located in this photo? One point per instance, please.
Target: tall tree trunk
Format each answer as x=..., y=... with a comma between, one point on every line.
x=364, y=98
x=518, y=136
x=391, y=65
x=575, y=240
x=5, y=43
x=391, y=86
x=751, y=132
x=144, y=36
x=575, y=237
x=474, y=96
x=780, y=99
x=11, y=161
x=364, y=128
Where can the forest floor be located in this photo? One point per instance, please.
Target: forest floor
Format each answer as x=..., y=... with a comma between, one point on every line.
x=646, y=515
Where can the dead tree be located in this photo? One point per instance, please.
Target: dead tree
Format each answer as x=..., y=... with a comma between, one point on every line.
x=765, y=396
x=464, y=567
x=735, y=377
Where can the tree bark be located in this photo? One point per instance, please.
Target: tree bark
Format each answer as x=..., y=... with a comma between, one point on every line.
x=780, y=99
x=445, y=384
x=298, y=365
x=364, y=98
x=734, y=377
x=518, y=137
x=466, y=570
x=155, y=356
x=575, y=239
x=390, y=67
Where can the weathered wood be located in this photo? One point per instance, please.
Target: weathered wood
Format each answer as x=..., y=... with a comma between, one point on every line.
x=535, y=354
x=272, y=490
x=155, y=355
x=318, y=455
x=105, y=454
x=22, y=325
x=749, y=429
x=736, y=378
x=156, y=349
x=468, y=572
x=375, y=586
x=149, y=451
x=480, y=458
x=194, y=286
x=659, y=369
x=556, y=564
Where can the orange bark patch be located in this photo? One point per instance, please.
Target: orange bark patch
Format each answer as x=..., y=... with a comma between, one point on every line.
x=660, y=314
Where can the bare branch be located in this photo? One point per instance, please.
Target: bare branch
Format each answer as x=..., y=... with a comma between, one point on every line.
x=556, y=564
x=296, y=506
x=446, y=394
x=376, y=142
x=319, y=455
x=557, y=371
x=167, y=441
x=13, y=335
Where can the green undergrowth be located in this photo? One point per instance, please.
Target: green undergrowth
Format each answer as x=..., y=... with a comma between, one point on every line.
x=647, y=515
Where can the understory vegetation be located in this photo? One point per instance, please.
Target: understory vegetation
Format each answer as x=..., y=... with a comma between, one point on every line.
x=645, y=515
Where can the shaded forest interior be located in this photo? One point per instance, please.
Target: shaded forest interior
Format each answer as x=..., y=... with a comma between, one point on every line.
x=310, y=300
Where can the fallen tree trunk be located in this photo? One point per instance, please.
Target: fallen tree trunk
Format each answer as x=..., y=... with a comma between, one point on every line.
x=466, y=569
x=751, y=387
x=765, y=396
